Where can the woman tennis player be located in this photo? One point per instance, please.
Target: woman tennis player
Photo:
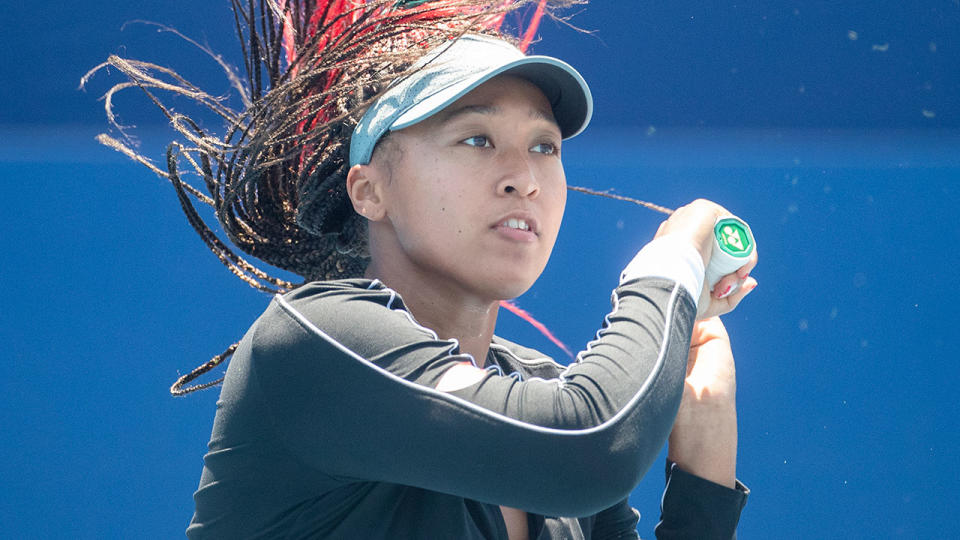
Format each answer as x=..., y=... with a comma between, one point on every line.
x=413, y=151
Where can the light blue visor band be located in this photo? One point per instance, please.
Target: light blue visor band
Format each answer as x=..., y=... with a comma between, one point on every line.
x=450, y=71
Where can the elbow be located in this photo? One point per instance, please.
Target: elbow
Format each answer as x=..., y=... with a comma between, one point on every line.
x=605, y=489
x=601, y=475
x=612, y=460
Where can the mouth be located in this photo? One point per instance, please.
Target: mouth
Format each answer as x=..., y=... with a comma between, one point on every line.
x=517, y=223
x=522, y=224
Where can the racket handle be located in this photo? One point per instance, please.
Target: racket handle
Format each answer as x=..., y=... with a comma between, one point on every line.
x=732, y=247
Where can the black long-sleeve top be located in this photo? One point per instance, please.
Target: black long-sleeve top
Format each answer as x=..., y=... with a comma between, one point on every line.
x=329, y=426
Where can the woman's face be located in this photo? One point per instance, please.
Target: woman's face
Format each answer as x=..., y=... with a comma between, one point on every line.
x=475, y=194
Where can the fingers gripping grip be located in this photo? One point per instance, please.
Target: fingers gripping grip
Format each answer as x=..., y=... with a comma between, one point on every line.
x=732, y=247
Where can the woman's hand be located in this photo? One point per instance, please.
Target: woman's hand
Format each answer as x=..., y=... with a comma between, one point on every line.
x=704, y=437
x=694, y=223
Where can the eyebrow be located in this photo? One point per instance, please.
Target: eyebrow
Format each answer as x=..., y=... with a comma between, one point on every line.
x=450, y=114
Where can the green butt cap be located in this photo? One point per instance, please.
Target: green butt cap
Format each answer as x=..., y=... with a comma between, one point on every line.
x=734, y=237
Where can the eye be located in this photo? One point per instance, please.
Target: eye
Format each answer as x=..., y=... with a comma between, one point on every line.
x=479, y=141
x=546, y=148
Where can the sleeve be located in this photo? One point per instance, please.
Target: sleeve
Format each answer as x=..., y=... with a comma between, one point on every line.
x=696, y=508
x=349, y=385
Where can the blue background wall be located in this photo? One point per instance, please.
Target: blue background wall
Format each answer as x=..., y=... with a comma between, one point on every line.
x=841, y=152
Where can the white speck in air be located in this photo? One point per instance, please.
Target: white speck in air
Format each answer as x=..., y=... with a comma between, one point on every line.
x=928, y=114
x=620, y=224
x=852, y=34
x=793, y=208
x=880, y=48
x=833, y=313
x=650, y=131
x=803, y=325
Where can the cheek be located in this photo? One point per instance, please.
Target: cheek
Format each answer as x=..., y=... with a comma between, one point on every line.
x=555, y=200
x=425, y=217
x=562, y=204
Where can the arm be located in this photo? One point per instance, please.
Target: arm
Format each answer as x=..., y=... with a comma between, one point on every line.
x=703, y=499
x=704, y=436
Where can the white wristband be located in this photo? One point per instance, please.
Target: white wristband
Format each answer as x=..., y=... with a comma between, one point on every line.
x=671, y=258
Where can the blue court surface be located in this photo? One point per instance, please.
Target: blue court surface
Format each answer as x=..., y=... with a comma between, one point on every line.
x=847, y=371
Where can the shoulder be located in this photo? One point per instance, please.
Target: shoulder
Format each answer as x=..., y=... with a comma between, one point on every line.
x=331, y=295
x=361, y=314
x=358, y=319
x=345, y=304
x=515, y=358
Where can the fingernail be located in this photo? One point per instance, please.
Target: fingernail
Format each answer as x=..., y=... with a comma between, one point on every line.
x=729, y=290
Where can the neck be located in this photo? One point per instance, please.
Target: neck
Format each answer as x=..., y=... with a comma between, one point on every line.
x=448, y=311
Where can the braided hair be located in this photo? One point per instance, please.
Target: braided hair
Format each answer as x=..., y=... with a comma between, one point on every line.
x=276, y=178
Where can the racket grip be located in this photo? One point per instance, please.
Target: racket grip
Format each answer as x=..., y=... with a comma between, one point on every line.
x=732, y=247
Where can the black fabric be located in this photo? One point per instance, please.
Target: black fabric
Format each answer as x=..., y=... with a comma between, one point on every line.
x=328, y=424
x=694, y=507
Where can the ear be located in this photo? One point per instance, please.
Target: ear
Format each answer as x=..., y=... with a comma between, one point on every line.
x=365, y=185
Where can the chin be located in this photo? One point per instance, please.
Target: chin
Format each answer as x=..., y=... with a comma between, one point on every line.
x=505, y=278
x=514, y=286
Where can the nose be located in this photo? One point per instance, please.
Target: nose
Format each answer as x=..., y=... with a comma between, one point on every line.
x=518, y=176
